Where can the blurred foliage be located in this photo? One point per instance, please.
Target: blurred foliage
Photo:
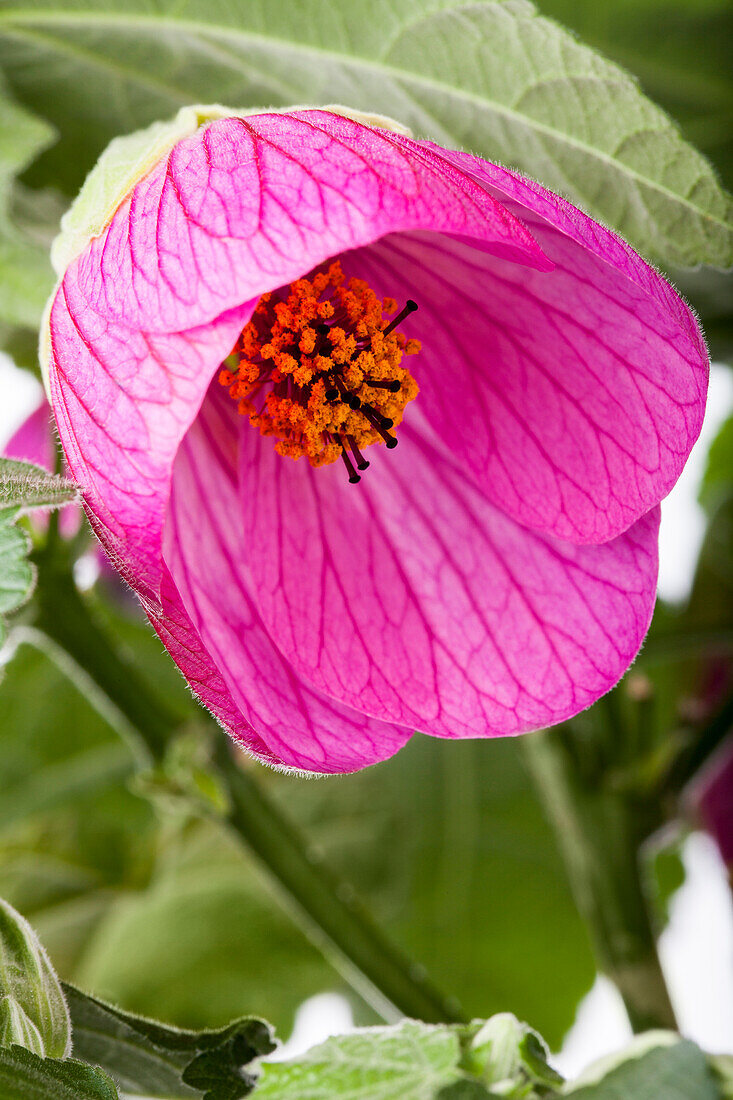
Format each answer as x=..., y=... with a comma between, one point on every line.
x=148, y=1058
x=446, y=843
x=680, y=52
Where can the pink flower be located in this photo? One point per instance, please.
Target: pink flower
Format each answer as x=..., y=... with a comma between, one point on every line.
x=493, y=573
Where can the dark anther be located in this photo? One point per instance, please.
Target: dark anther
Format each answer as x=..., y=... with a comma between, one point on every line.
x=322, y=329
x=393, y=386
x=375, y=417
x=380, y=424
x=352, y=401
x=409, y=308
x=332, y=394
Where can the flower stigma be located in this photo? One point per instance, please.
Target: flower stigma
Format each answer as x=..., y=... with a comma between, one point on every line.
x=319, y=368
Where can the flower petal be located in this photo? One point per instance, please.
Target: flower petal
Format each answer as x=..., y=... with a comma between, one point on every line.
x=33, y=440
x=231, y=661
x=123, y=400
x=416, y=600
x=248, y=204
x=574, y=397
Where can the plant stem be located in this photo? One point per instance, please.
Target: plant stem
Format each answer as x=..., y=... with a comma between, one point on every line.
x=333, y=916
x=600, y=832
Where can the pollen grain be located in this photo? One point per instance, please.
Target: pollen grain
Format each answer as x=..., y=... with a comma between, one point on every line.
x=319, y=367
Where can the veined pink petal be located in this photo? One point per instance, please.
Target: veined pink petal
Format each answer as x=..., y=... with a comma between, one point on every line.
x=417, y=601
x=33, y=440
x=248, y=204
x=207, y=553
x=123, y=401
x=588, y=393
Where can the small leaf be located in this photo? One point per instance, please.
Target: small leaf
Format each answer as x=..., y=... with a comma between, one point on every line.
x=25, y=1076
x=509, y=1056
x=161, y=1061
x=25, y=486
x=655, y=1066
x=33, y=1011
x=17, y=1028
x=16, y=572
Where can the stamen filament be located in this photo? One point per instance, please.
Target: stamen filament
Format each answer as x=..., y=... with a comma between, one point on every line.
x=353, y=476
x=361, y=462
x=409, y=308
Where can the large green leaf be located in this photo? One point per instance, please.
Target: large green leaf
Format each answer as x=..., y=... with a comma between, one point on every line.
x=26, y=277
x=446, y=843
x=491, y=76
x=679, y=50
x=146, y=1057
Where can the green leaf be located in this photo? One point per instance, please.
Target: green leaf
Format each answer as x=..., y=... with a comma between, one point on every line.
x=493, y=77
x=16, y=572
x=656, y=1065
x=26, y=277
x=686, y=69
x=148, y=1057
x=33, y=1011
x=416, y=1061
x=25, y=1076
x=411, y=1061
x=23, y=485
x=511, y=1057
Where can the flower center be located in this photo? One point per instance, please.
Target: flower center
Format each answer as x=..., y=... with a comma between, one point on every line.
x=319, y=368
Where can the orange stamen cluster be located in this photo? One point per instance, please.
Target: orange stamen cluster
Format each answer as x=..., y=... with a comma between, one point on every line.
x=319, y=368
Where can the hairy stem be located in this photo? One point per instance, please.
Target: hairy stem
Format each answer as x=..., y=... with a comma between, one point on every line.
x=326, y=906
x=600, y=832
